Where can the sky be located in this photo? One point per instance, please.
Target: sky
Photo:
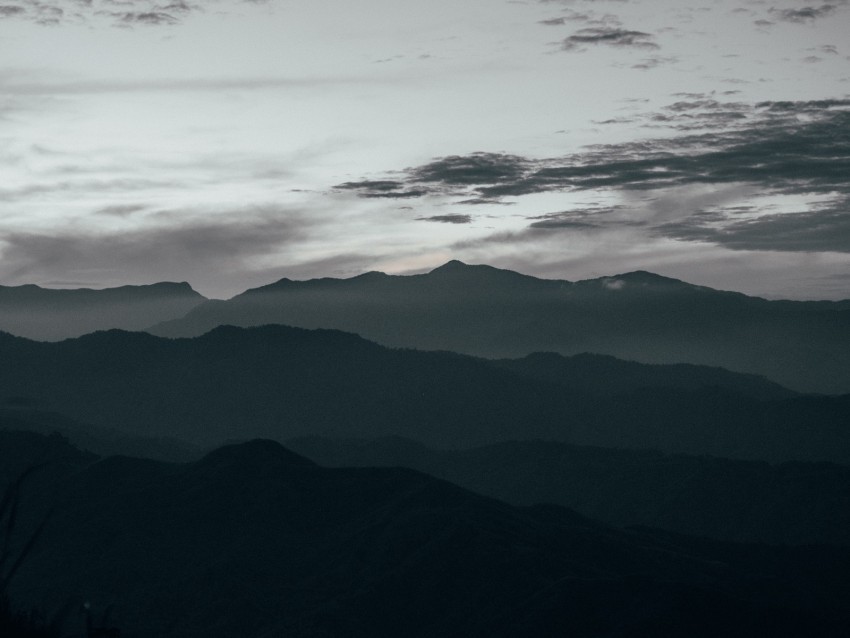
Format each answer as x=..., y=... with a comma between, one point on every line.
x=231, y=143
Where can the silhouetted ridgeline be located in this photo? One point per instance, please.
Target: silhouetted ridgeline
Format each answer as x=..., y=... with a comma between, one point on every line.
x=745, y=501
x=54, y=314
x=280, y=382
x=253, y=540
x=488, y=312
x=20, y=414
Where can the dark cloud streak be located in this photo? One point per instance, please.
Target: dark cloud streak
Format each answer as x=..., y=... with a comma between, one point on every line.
x=805, y=14
x=447, y=219
x=822, y=230
x=608, y=36
x=124, y=14
x=796, y=149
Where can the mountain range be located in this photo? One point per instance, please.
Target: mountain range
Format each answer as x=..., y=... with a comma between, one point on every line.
x=468, y=452
x=488, y=312
x=279, y=382
x=253, y=540
x=52, y=314
x=790, y=503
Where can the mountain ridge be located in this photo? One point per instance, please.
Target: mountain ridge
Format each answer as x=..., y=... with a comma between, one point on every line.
x=254, y=549
x=52, y=314
x=277, y=382
x=792, y=503
x=493, y=313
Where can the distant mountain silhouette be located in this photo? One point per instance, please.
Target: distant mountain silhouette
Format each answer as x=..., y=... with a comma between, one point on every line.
x=99, y=440
x=54, y=314
x=745, y=501
x=495, y=313
x=603, y=375
x=278, y=382
x=255, y=541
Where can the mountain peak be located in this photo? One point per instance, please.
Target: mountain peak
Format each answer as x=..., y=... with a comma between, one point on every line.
x=637, y=279
x=257, y=452
x=644, y=276
x=454, y=265
x=461, y=270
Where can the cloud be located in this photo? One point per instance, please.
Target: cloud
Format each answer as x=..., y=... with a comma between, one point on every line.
x=772, y=148
x=830, y=49
x=654, y=62
x=447, y=219
x=563, y=223
x=377, y=189
x=482, y=201
x=576, y=16
x=582, y=218
x=11, y=11
x=608, y=36
x=148, y=18
x=9, y=85
x=444, y=175
x=824, y=230
x=182, y=245
x=117, y=13
x=475, y=168
x=712, y=186
x=805, y=14
x=121, y=210
x=85, y=186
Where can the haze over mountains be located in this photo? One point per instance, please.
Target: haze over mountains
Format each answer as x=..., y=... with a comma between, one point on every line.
x=156, y=510
x=53, y=314
x=487, y=312
x=494, y=313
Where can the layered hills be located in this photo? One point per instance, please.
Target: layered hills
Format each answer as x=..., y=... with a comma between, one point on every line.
x=279, y=382
x=790, y=503
x=253, y=540
x=488, y=312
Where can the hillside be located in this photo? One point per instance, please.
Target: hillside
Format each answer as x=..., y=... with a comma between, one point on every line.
x=746, y=501
x=280, y=382
x=254, y=540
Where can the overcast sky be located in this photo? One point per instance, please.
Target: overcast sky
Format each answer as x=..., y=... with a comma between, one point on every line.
x=231, y=143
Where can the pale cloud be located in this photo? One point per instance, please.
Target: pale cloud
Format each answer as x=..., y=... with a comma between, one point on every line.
x=215, y=250
x=116, y=13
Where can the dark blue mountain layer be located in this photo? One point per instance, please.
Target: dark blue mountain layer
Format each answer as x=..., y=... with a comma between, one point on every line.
x=746, y=501
x=254, y=541
x=280, y=382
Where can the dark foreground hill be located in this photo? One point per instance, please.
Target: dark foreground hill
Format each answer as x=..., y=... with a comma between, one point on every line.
x=494, y=313
x=280, y=382
x=746, y=501
x=254, y=540
x=53, y=314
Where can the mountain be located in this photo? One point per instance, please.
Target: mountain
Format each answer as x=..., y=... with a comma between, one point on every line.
x=279, y=382
x=488, y=312
x=745, y=501
x=53, y=314
x=603, y=375
x=253, y=540
x=17, y=415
